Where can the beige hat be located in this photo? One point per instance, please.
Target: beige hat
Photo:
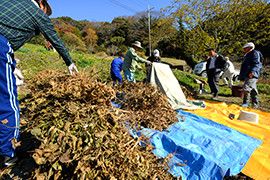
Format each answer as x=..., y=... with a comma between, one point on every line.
x=137, y=44
x=249, y=117
x=249, y=44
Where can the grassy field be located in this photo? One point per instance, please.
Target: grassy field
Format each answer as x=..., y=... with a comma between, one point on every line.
x=36, y=58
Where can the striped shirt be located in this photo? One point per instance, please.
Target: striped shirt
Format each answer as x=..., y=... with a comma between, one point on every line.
x=21, y=20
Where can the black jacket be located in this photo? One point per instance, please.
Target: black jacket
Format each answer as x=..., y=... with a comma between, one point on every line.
x=220, y=63
x=153, y=59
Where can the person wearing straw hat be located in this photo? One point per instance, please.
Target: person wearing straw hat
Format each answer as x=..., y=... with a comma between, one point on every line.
x=20, y=20
x=130, y=61
x=250, y=71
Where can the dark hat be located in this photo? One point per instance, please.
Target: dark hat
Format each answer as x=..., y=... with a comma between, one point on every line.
x=49, y=9
x=211, y=49
x=206, y=56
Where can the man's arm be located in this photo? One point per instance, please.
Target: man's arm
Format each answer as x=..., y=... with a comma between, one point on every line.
x=45, y=26
x=47, y=29
x=139, y=59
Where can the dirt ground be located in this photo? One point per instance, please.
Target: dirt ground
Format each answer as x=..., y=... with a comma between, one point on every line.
x=263, y=106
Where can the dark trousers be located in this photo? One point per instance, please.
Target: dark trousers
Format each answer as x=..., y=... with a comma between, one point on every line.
x=213, y=80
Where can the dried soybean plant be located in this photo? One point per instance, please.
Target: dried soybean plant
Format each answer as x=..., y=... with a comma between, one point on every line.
x=147, y=103
x=82, y=136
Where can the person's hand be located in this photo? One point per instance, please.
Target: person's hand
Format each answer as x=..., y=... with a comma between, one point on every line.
x=148, y=62
x=139, y=67
x=72, y=69
x=251, y=75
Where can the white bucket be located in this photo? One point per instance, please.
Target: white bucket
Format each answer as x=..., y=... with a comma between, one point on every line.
x=249, y=117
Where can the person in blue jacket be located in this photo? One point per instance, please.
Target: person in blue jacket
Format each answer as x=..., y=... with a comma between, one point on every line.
x=116, y=68
x=250, y=72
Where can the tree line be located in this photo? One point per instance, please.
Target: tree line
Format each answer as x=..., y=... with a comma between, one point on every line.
x=184, y=30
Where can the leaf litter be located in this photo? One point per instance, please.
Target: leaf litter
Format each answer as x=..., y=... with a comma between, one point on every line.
x=82, y=136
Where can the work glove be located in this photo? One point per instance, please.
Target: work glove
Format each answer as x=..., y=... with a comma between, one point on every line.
x=139, y=67
x=148, y=62
x=72, y=69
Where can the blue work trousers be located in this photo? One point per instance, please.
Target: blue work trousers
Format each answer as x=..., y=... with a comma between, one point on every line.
x=9, y=105
x=116, y=76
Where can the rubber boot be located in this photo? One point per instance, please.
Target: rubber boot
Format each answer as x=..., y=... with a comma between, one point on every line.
x=246, y=100
x=255, y=102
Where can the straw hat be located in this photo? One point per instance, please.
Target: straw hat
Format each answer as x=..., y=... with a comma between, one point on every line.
x=137, y=44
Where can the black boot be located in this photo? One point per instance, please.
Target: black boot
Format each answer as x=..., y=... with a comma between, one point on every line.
x=8, y=161
x=255, y=102
x=246, y=100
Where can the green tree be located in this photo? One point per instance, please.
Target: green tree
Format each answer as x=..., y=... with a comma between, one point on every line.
x=104, y=31
x=224, y=25
x=73, y=42
x=117, y=41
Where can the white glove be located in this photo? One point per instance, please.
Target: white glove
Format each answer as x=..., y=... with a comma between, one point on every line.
x=18, y=74
x=148, y=62
x=139, y=67
x=72, y=69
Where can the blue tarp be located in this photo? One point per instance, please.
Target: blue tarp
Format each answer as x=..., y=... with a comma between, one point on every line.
x=201, y=148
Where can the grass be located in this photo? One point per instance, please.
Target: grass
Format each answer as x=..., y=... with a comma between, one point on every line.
x=36, y=58
x=174, y=62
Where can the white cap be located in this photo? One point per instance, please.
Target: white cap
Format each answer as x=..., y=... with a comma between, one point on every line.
x=249, y=44
x=156, y=53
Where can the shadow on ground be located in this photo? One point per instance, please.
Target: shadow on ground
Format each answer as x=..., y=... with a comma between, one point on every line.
x=22, y=169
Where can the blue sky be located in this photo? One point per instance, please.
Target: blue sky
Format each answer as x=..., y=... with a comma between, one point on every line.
x=103, y=10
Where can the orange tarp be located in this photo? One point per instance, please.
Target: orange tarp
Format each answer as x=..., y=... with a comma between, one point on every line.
x=258, y=166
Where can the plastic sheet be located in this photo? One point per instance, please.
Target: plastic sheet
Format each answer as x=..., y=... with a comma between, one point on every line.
x=201, y=148
x=258, y=166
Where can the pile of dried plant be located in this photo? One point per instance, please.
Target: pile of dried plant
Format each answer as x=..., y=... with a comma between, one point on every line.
x=148, y=105
x=188, y=93
x=82, y=137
